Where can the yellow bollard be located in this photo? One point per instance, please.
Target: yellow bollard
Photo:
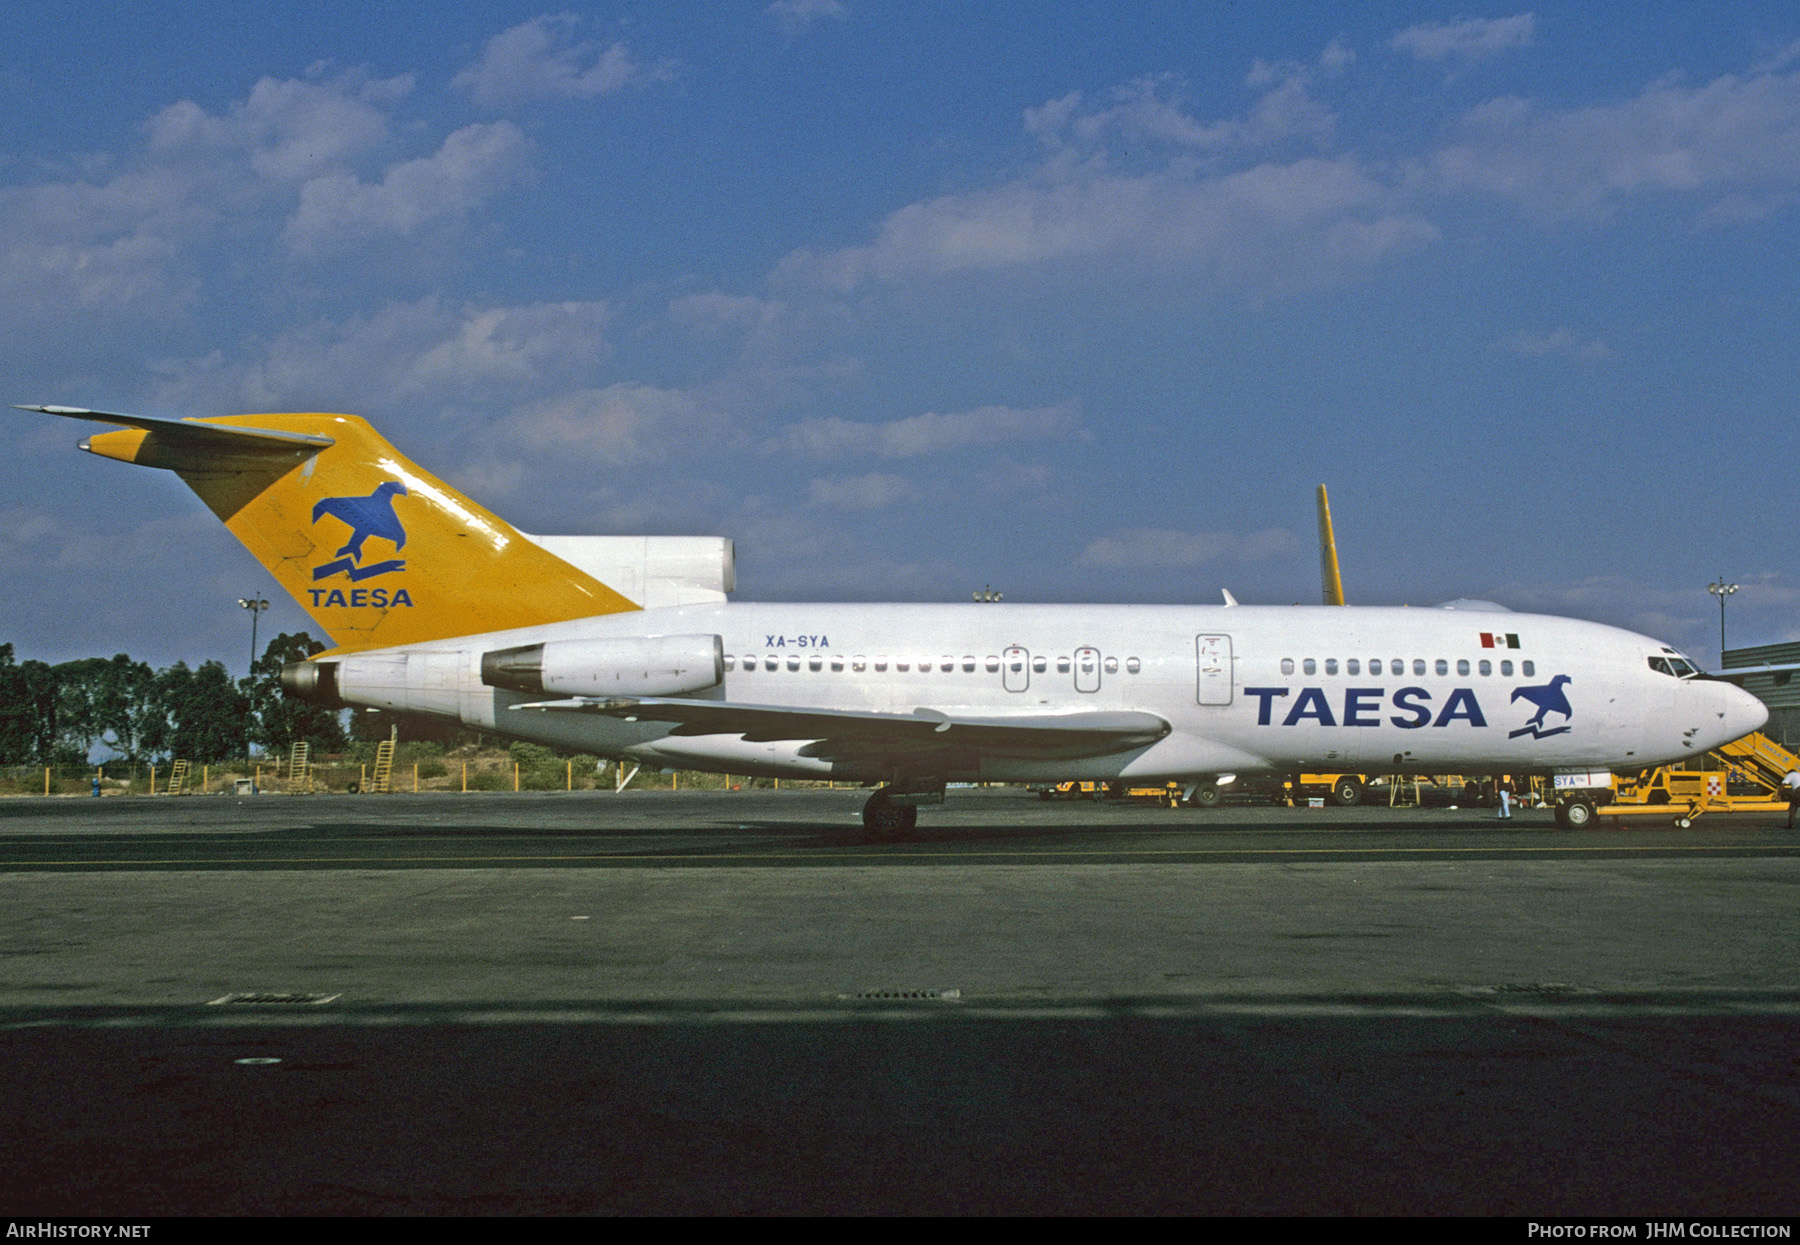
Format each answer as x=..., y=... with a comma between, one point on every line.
x=153, y=780
x=515, y=776
x=46, y=780
x=362, y=783
x=205, y=778
x=465, y=778
x=415, y=778
x=571, y=776
x=674, y=776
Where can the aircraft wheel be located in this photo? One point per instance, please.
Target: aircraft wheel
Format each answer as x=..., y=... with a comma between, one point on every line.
x=354, y=788
x=1347, y=791
x=884, y=818
x=1575, y=814
x=1682, y=823
x=1206, y=795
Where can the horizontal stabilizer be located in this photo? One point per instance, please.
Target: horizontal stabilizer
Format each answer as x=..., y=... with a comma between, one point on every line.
x=1045, y=735
x=197, y=435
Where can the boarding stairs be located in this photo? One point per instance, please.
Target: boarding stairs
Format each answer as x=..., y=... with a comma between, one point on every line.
x=299, y=769
x=383, y=780
x=1761, y=760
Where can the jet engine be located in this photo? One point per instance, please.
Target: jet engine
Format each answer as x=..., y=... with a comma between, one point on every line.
x=664, y=665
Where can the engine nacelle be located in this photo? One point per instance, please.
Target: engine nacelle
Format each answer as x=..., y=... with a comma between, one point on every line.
x=664, y=665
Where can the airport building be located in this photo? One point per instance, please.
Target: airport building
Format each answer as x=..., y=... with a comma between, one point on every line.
x=1769, y=672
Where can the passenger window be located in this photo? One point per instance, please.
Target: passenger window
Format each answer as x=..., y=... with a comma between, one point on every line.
x=969, y=664
x=837, y=661
x=1506, y=669
x=1309, y=666
x=901, y=665
x=1528, y=670
x=1132, y=665
x=1352, y=666
x=1331, y=665
x=1112, y=665
x=1398, y=666
x=1039, y=664
x=1374, y=665
x=858, y=662
x=925, y=667
x=1062, y=665
x=993, y=665
x=1287, y=665
x=730, y=661
x=814, y=662
x=1443, y=667
x=794, y=662
x=1487, y=668
x=880, y=664
x=947, y=665
x=1418, y=665
x=1462, y=666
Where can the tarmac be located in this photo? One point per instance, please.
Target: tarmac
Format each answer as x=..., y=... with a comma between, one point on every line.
x=732, y=1002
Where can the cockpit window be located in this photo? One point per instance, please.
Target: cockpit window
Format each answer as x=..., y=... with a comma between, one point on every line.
x=1660, y=665
x=1679, y=667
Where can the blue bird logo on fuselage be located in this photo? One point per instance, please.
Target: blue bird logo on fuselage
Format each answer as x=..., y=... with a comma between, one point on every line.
x=365, y=517
x=1549, y=698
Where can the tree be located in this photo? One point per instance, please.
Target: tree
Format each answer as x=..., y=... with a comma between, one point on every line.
x=104, y=701
x=27, y=712
x=208, y=715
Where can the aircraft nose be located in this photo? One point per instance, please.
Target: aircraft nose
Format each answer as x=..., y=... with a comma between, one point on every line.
x=1739, y=713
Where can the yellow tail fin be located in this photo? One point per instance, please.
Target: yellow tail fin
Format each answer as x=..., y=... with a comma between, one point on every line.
x=376, y=550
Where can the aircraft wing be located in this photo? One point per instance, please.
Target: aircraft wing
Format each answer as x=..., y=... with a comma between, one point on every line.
x=195, y=434
x=844, y=732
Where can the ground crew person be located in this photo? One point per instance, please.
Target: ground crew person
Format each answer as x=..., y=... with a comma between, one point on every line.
x=1790, y=787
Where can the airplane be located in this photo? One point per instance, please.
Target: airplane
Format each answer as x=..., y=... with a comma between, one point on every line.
x=629, y=648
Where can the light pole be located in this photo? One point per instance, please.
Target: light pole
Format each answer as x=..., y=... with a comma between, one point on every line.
x=256, y=605
x=1721, y=589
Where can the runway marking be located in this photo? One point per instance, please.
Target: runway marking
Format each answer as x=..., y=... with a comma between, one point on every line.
x=1374, y=853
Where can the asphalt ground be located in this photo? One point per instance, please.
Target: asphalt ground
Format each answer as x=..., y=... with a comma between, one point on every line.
x=733, y=1003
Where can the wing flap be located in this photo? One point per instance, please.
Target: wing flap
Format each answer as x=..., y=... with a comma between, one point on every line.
x=835, y=732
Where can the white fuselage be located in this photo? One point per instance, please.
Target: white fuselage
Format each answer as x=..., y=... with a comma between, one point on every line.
x=1244, y=689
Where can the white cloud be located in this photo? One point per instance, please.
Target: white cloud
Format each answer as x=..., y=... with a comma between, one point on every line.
x=1733, y=134
x=797, y=16
x=1150, y=548
x=864, y=492
x=1150, y=110
x=1562, y=342
x=289, y=129
x=404, y=353
x=1270, y=228
x=930, y=433
x=1467, y=39
x=543, y=59
x=339, y=210
x=620, y=425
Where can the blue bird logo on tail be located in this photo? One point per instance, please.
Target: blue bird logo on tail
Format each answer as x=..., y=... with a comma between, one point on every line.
x=365, y=517
x=1549, y=698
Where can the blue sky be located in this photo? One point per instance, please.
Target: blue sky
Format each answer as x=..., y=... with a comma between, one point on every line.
x=1079, y=301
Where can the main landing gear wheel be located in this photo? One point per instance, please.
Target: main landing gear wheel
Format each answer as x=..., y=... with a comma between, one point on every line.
x=1206, y=795
x=885, y=817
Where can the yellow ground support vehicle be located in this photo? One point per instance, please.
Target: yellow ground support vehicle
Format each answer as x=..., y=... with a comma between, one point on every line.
x=1744, y=776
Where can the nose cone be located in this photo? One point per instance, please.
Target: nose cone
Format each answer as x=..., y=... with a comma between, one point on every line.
x=1739, y=713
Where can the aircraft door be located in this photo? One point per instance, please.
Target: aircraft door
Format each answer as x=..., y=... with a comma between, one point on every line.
x=1087, y=669
x=1015, y=669
x=1212, y=661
